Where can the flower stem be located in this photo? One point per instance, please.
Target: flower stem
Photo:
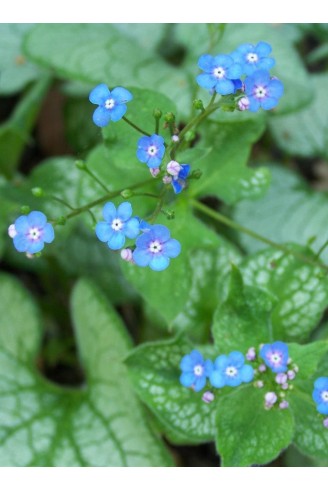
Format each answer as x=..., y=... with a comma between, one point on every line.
x=95, y=178
x=134, y=126
x=61, y=201
x=322, y=248
x=236, y=226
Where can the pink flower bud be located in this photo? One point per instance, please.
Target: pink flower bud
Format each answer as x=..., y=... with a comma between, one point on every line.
x=126, y=254
x=285, y=386
x=173, y=168
x=243, y=104
x=154, y=171
x=167, y=179
x=251, y=354
x=12, y=231
x=262, y=368
x=259, y=384
x=208, y=397
x=291, y=374
x=175, y=138
x=325, y=423
x=284, y=404
x=270, y=399
x=281, y=378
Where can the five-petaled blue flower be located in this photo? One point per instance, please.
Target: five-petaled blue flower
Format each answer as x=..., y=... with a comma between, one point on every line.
x=231, y=370
x=112, y=104
x=220, y=71
x=179, y=182
x=31, y=232
x=155, y=248
x=275, y=356
x=118, y=224
x=263, y=91
x=320, y=395
x=195, y=370
x=253, y=58
x=151, y=150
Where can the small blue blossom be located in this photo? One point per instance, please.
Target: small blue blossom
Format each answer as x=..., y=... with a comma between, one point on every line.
x=253, y=58
x=118, y=225
x=220, y=71
x=112, y=104
x=151, y=150
x=31, y=232
x=195, y=370
x=263, y=91
x=231, y=370
x=275, y=356
x=320, y=395
x=155, y=248
x=179, y=182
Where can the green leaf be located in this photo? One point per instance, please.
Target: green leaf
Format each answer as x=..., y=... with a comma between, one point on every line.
x=16, y=71
x=15, y=132
x=81, y=132
x=243, y=319
x=154, y=370
x=305, y=133
x=44, y=425
x=103, y=53
x=307, y=358
x=301, y=290
x=305, y=220
x=160, y=288
x=225, y=171
x=247, y=434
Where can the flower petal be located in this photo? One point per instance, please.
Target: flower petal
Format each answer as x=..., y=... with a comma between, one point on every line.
x=21, y=224
x=116, y=241
x=321, y=383
x=236, y=358
x=157, y=140
x=206, y=63
x=121, y=95
x=223, y=60
x=234, y=71
x=224, y=87
x=99, y=94
x=184, y=171
x=154, y=162
x=35, y=247
x=323, y=408
x=221, y=362
x=254, y=104
x=101, y=117
x=206, y=81
x=21, y=243
x=109, y=212
x=118, y=112
x=208, y=367
x=48, y=233
x=187, y=379
x=161, y=232
x=196, y=356
x=142, y=155
x=266, y=64
x=144, y=142
x=268, y=103
x=124, y=211
x=263, y=48
x=177, y=185
x=216, y=379
x=172, y=248
x=199, y=383
x=233, y=380
x=247, y=373
x=104, y=231
x=276, y=88
x=132, y=228
x=36, y=218
x=141, y=257
x=159, y=262
x=316, y=395
x=187, y=364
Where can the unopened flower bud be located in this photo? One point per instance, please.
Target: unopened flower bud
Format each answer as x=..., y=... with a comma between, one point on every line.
x=208, y=397
x=167, y=179
x=281, y=378
x=37, y=192
x=198, y=104
x=157, y=113
x=12, y=231
x=127, y=193
x=262, y=368
x=169, y=117
x=243, y=104
x=259, y=384
x=173, y=168
x=285, y=386
x=284, y=404
x=154, y=171
x=325, y=423
x=25, y=209
x=270, y=399
x=291, y=374
x=190, y=136
x=126, y=254
x=175, y=138
x=80, y=164
x=251, y=354
x=61, y=220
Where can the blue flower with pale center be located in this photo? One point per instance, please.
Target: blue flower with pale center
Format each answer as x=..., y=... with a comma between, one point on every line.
x=155, y=248
x=253, y=58
x=220, y=71
x=118, y=225
x=195, y=370
x=151, y=150
x=275, y=356
x=320, y=395
x=31, y=232
x=231, y=370
x=179, y=182
x=263, y=91
x=112, y=104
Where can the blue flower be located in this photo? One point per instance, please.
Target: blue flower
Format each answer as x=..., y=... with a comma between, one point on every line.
x=179, y=181
x=195, y=370
x=31, y=232
x=275, y=356
x=220, y=71
x=112, y=104
x=151, y=150
x=253, y=58
x=263, y=91
x=231, y=370
x=320, y=395
x=155, y=248
x=117, y=225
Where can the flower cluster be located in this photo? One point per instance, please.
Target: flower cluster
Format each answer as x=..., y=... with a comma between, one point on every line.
x=320, y=397
x=274, y=371
x=224, y=74
x=30, y=233
x=226, y=370
x=154, y=247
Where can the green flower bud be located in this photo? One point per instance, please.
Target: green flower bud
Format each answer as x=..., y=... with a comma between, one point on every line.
x=37, y=192
x=25, y=209
x=196, y=174
x=61, y=221
x=126, y=193
x=80, y=164
x=190, y=136
x=198, y=105
x=157, y=113
x=169, y=117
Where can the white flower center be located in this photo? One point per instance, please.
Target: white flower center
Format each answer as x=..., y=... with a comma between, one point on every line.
x=275, y=358
x=252, y=57
x=34, y=234
x=117, y=224
x=324, y=396
x=109, y=104
x=155, y=247
x=231, y=371
x=219, y=72
x=260, y=92
x=198, y=370
x=152, y=150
